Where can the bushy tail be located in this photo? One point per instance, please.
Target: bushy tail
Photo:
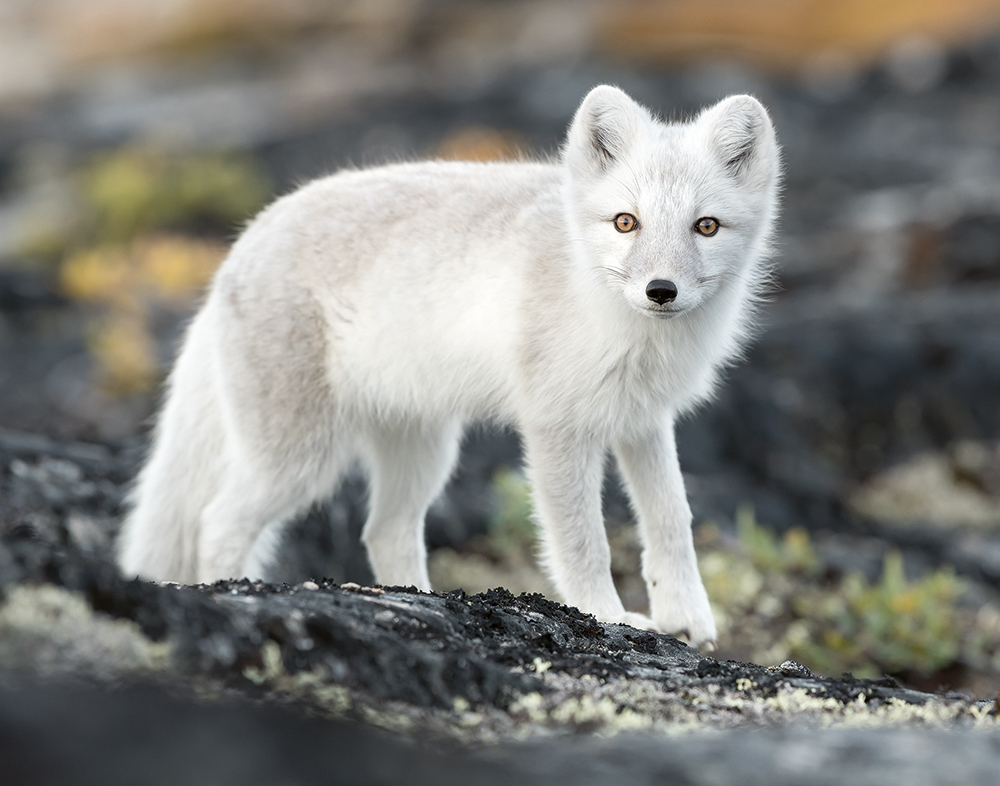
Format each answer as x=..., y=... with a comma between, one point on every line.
x=159, y=539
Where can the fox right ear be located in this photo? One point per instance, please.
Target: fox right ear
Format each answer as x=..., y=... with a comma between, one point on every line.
x=604, y=129
x=742, y=137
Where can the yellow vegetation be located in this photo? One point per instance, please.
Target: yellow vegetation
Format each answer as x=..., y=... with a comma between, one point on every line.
x=158, y=267
x=126, y=354
x=126, y=281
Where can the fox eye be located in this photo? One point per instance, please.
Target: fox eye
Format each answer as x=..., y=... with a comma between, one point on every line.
x=626, y=222
x=706, y=226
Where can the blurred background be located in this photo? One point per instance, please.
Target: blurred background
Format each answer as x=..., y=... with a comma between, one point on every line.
x=846, y=483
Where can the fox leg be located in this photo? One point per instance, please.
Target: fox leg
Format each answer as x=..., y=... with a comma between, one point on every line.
x=232, y=522
x=677, y=598
x=566, y=474
x=409, y=467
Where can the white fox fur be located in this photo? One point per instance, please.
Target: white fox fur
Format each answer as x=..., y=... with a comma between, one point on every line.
x=374, y=313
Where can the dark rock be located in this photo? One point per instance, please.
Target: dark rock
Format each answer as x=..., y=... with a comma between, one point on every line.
x=143, y=735
x=397, y=644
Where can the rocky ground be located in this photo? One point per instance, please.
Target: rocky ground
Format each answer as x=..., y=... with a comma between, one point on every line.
x=846, y=482
x=373, y=684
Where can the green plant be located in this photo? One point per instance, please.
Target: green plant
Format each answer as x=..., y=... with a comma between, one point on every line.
x=794, y=552
x=774, y=601
x=890, y=626
x=512, y=526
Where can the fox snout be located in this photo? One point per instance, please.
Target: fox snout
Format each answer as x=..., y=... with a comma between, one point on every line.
x=661, y=291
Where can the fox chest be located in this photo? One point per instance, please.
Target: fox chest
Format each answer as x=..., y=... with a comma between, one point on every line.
x=610, y=388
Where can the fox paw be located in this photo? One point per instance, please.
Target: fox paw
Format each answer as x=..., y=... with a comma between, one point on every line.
x=640, y=621
x=695, y=627
x=704, y=645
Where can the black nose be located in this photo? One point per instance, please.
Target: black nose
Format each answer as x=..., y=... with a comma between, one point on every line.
x=660, y=291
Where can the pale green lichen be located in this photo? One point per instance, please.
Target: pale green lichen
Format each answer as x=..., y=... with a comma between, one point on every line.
x=774, y=581
x=49, y=632
x=311, y=685
x=624, y=705
x=607, y=708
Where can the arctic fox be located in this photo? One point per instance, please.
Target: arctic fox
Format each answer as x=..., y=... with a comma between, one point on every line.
x=371, y=314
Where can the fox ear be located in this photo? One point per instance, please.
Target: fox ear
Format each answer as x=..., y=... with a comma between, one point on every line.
x=604, y=129
x=742, y=138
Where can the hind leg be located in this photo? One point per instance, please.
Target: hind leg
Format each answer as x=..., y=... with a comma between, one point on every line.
x=409, y=467
x=233, y=521
x=284, y=440
x=241, y=526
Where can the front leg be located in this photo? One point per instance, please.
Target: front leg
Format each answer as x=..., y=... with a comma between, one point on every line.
x=677, y=599
x=566, y=472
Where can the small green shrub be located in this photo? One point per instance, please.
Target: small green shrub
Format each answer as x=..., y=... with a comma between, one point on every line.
x=773, y=601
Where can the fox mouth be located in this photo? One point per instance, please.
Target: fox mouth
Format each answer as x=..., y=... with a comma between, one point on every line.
x=664, y=313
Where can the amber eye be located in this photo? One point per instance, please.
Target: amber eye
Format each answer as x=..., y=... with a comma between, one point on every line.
x=706, y=226
x=625, y=222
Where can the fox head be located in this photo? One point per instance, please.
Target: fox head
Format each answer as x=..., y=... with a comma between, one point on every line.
x=667, y=214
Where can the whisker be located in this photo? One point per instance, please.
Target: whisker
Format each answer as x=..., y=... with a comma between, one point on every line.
x=611, y=273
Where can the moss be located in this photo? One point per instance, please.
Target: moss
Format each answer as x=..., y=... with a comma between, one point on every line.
x=793, y=553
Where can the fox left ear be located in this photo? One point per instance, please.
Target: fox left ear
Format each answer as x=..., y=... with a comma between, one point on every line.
x=742, y=137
